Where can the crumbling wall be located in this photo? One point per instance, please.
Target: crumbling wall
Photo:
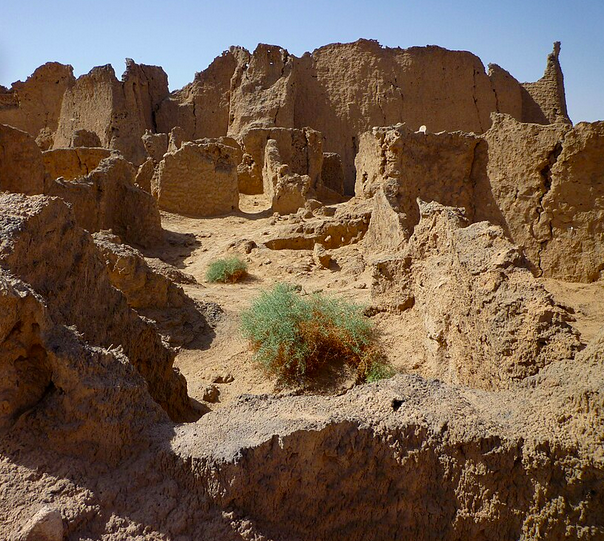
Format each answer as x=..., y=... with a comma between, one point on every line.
x=547, y=183
x=84, y=138
x=508, y=93
x=72, y=163
x=119, y=112
x=415, y=458
x=343, y=90
x=201, y=109
x=107, y=198
x=156, y=144
x=300, y=149
x=199, y=179
x=34, y=106
x=80, y=399
x=287, y=190
x=346, y=89
x=263, y=91
x=544, y=101
x=21, y=165
x=573, y=206
x=541, y=183
x=404, y=165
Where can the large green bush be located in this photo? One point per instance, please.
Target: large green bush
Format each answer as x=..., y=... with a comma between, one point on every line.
x=230, y=269
x=293, y=336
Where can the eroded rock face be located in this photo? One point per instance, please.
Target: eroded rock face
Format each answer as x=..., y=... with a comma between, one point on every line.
x=34, y=106
x=484, y=320
x=151, y=293
x=72, y=163
x=42, y=245
x=119, y=112
x=21, y=165
x=79, y=398
x=107, y=198
x=199, y=179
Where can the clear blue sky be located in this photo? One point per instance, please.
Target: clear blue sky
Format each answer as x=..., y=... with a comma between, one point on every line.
x=184, y=36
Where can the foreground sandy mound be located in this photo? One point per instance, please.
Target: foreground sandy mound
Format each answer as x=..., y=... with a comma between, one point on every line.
x=405, y=458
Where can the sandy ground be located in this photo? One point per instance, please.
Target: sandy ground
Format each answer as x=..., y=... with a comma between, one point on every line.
x=222, y=362
x=226, y=361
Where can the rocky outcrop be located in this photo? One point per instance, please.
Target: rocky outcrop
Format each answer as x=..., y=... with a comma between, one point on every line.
x=34, y=106
x=199, y=179
x=151, y=293
x=119, y=112
x=72, y=163
x=77, y=290
x=107, y=198
x=486, y=322
x=21, y=165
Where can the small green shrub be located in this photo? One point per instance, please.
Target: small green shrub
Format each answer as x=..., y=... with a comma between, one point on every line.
x=294, y=336
x=230, y=269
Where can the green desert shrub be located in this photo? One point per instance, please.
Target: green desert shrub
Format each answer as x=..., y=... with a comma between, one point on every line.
x=230, y=269
x=293, y=336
